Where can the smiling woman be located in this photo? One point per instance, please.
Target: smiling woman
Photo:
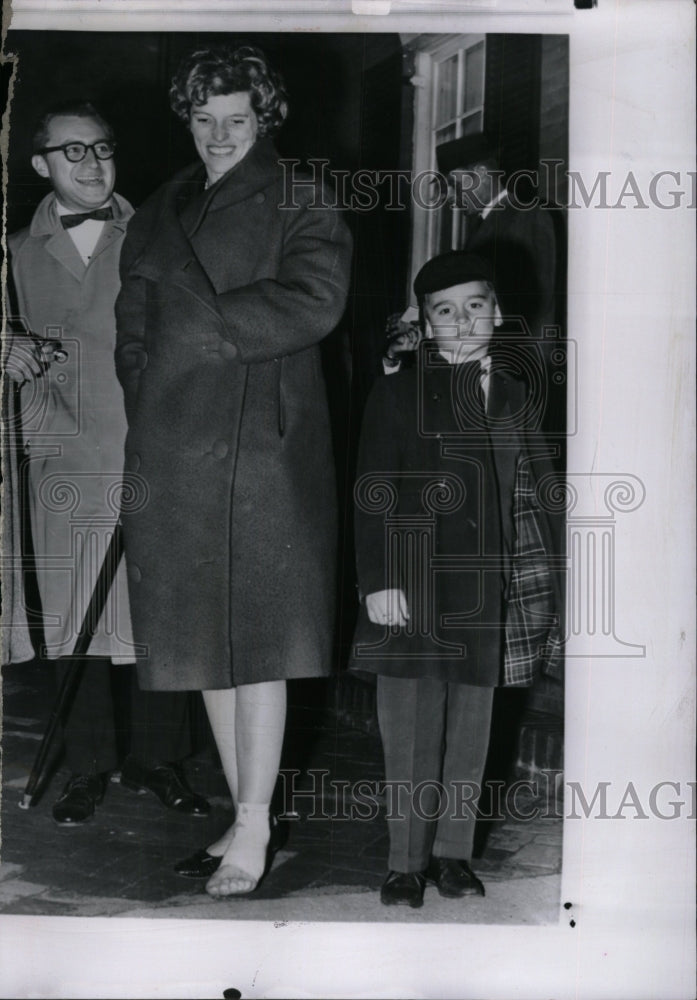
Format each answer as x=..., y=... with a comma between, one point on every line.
x=224, y=130
x=227, y=98
x=224, y=301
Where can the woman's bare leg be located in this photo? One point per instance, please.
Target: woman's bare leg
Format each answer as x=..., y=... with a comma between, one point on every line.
x=250, y=751
x=261, y=723
x=221, y=707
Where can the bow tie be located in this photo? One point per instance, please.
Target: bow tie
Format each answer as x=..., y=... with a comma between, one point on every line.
x=68, y=221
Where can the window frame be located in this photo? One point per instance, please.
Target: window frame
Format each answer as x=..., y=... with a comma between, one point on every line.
x=430, y=52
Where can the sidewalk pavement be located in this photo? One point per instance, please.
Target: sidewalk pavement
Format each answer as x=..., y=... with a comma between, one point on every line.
x=330, y=868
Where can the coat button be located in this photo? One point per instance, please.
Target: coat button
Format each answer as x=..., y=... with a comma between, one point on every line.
x=134, y=573
x=227, y=350
x=132, y=462
x=219, y=449
x=436, y=397
x=260, y=198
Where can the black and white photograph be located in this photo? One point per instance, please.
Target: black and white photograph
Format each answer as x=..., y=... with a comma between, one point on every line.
x=348, y=502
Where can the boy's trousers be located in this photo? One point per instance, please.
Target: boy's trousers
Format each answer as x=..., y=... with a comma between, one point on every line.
x=435, y=738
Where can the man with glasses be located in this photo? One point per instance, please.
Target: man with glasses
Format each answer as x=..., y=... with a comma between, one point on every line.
x=66, y=279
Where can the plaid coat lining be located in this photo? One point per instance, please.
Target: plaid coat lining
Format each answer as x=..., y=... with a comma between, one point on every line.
x=532, y=641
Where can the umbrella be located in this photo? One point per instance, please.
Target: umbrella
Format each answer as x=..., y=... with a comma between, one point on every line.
x=76, y=666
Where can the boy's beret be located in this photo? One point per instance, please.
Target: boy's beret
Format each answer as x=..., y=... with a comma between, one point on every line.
x=456, y=267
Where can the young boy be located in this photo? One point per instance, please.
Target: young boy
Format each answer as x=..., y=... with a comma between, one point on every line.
x=453, y=568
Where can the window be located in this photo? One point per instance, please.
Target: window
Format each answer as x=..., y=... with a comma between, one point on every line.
x=459, y=93
x=449, y=103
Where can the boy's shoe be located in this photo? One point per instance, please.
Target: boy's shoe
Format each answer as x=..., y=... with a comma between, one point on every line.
x=453, y=878
x=403, y=889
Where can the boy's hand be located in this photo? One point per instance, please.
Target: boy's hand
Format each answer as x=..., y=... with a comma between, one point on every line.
x=387, y=607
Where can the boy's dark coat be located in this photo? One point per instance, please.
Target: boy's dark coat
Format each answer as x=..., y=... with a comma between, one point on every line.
x=413, y=437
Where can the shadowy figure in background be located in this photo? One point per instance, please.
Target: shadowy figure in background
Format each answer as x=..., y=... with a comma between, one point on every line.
x=506, y=226
x=520, y=241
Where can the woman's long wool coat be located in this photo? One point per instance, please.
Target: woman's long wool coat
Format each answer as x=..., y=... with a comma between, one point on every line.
x=230, y=510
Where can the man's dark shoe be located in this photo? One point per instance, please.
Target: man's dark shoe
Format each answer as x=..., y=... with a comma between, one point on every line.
x=403, y=889
x=166, y=783
x=77, y=801
x=453, y=878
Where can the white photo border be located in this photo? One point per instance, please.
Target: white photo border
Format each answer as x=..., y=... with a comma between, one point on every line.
x=632, y=304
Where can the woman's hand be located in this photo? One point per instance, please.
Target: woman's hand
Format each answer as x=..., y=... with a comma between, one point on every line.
x=402, y=335
x=387, y=607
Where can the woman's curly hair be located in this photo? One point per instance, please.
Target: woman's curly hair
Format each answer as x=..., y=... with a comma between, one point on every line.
x=223, y=70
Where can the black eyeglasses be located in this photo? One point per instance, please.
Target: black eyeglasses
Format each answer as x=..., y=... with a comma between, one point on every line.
x=76, y=151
